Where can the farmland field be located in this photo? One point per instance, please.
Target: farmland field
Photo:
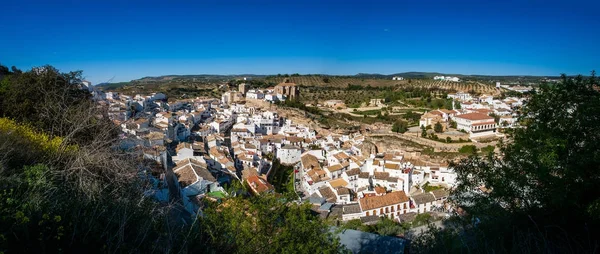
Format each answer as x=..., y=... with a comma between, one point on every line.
x=313, y=87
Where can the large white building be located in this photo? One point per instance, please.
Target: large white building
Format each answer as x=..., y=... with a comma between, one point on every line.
x=476, y=124
x=461, y=96
x=390, y=205
x=289, y=154
x=255, y=94
x=448, y=78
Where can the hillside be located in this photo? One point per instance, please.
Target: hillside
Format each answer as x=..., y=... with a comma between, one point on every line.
x=182, y=86
x=67, y=184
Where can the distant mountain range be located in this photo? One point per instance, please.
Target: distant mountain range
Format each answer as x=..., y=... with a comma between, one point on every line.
x=405, y=75
x=415, y=74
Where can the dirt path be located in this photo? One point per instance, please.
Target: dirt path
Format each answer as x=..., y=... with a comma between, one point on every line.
x=438, y=146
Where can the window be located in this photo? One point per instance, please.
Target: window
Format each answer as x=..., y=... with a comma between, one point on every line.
x=387, y=210
x=367, y=213
x=374, y=212
x=380, y=210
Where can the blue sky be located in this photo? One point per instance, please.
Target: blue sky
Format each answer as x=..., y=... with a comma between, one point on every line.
x=131, y=39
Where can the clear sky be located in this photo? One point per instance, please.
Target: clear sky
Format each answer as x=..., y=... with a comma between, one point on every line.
x=132, y=39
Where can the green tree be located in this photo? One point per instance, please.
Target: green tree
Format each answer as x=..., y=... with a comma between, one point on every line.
x=452, y=124
x=423, y=132
x=448, y=104
x=541, y=192
x=264, y=224
x=438, y=127
x=400, y=126
x=487, y=149
x=468, y=149
x=457, y=105
x=496, y=118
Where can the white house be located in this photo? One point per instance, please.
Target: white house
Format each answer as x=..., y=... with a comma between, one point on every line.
x=507, y=121
x=476, y=124
x=184, y=151
x=390, y=205
x=486, y=98
x=289, y=154
x=193, y=179
x=255, y=94
x=448, y=78
x=422, y=202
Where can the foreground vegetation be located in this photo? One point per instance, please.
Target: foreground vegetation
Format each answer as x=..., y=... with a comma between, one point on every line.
x=540, y=193
x=66, y=185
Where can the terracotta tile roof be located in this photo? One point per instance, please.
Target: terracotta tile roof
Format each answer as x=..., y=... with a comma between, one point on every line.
x=294, y=139
x=440, y=193
x=290, y=147
x=188, y=171
x=349, y=209
x=328, y=194
x=334, y=168
x=423, y=198
x=353, y=172
x=381, y=175
x=186, y=176
x=155, y=135
x=341, y=156
x=343, y=191
x=198, y=146
x=310, y=161
x=259, y=185
x=380, y=190
x=357, y=160
x=376, y=162
x=340, y=182
x=392, y=166
x=364, y=175
x=374, y=202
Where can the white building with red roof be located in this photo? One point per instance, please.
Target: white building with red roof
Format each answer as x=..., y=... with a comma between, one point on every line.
x=476, y=124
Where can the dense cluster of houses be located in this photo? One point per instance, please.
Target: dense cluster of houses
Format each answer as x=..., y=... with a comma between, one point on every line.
x=204, y=143
x=475, y=116
x=387, y=184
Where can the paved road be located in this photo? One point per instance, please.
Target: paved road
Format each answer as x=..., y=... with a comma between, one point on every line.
x=417, y=231
x=298, y=184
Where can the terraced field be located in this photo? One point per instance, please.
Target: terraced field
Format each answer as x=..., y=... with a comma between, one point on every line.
x=313, y=88
x=341, y=82
x=477, y=87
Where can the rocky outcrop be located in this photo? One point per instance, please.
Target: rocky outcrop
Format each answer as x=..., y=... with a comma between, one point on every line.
x=369, y=147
